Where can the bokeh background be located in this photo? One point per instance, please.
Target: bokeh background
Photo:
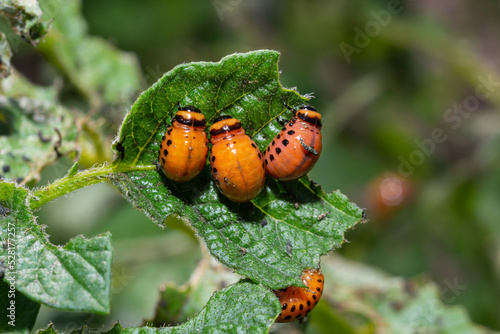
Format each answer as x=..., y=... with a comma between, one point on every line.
x=386, y=83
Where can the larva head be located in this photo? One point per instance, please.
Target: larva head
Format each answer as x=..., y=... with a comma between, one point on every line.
x=296, y=303
x=225, y=126
x=310, y=115
x=189, y=116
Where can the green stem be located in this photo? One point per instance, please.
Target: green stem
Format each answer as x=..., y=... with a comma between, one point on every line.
x=82, y=179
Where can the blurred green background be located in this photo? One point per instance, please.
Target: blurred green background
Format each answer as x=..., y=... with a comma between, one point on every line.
x=405, y=76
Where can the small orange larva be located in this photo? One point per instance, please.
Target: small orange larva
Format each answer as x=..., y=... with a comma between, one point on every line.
x=297, y=302
x=296, y=149
x=184, y=147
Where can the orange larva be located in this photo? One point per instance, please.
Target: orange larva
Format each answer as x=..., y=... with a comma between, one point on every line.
x=184, y=147
x=296, y=149
x=296, y=303
x=236, y=162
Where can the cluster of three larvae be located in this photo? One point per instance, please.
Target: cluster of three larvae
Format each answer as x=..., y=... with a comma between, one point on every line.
x=238, y=167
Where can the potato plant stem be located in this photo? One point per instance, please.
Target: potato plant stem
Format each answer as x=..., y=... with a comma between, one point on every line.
x=79, y=180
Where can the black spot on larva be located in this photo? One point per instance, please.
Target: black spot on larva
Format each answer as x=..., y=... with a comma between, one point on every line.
x=292, y=309
x=163, y=161
x=291, y=132
x=271, y=157
x=285, y=142
x=169, y=131
x=169, y=142
x=165, y=152
x=283, y=129
x=301, y=307
x=278, y=150
x=319, y=280
x=263, y=165
x=316, y=303
x=213, y=158
x=288, y=317
x=254, y=146
x=214, y=171
x=318, y=289
x=268, y=149
x=308, y=303
x=284, y=306
x=298, y=316
x=278, y=136
x=6, y=168
x=315, y=297
x=272, y=143
x=260, y=156
x=265, y=161
x=309, y=310
x=163, y=138
x=217, y=181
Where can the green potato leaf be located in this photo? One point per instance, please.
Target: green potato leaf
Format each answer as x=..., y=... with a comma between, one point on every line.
x=18, y=312
x=26, y=19
x=33, y=134
x=117, y=329
x=281, y=232
x=5, y=57
x=100, y=71
x=76, y=277
x=243, y=307
x=177, y=304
